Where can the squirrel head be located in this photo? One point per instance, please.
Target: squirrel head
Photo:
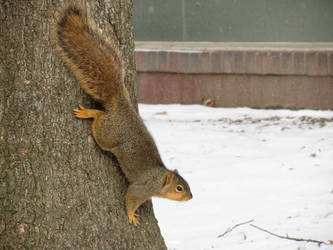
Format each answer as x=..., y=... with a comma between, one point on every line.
x=175, y=187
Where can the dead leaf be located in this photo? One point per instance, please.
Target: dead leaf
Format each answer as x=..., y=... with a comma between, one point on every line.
x=161, y=113
x=208, y=102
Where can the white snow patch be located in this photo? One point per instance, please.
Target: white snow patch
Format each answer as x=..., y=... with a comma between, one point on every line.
x=272, y=166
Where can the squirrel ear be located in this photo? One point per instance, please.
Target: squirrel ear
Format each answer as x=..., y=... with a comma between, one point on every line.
x=168, y=179
x=175, y=171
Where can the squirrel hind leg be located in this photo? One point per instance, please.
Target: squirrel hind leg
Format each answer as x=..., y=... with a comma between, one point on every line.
x=84, y=113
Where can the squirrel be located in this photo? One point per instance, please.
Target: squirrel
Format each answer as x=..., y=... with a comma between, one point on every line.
x=99, y=68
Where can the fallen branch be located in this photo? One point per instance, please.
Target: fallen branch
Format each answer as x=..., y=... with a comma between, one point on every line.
x=232, y=228
x=319, y=242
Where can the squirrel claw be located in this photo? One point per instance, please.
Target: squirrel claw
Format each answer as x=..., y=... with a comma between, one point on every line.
x=133, y=220
x=81, y=112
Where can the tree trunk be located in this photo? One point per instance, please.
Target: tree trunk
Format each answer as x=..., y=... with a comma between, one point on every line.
x=57, y=188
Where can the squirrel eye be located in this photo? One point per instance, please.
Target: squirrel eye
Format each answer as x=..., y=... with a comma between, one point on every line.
x=179, y=188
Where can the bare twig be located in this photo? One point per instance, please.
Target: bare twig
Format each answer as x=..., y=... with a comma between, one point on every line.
x=232, y=228
x=319, y=242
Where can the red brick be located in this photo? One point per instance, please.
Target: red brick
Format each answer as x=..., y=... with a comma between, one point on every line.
x=238, y=62
x=285, y=78
x=275, y=62
x=325, y=92
x=193, y=59
x=250, y=62
x=310, y=63
x=299, y=63
x=204, y=62
x=215, y=61
x=230, y=90
x=322, y=65
x=260, y=59
x=173, y=61
x=151, y=63
x=140, y=60
x=330, y=63
x=267, y=63
x=228, y=62
x=287, y=63
x=183, y=65
x=163, y=61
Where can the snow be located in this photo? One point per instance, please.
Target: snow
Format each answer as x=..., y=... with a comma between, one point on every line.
x=271, y=166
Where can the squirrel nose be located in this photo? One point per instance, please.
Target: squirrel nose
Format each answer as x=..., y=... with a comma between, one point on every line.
x=191, y=196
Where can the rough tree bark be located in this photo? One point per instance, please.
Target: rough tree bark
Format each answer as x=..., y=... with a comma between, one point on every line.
x=57, y=188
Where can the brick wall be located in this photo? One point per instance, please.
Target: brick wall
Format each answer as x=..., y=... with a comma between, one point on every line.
x=280, y=75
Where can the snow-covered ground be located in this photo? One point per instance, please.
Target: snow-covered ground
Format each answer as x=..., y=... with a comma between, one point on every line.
x=271, y=166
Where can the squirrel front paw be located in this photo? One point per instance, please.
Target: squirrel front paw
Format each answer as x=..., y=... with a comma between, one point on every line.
x=81, y=112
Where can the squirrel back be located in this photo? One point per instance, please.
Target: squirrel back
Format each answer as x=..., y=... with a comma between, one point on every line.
x=96, y=64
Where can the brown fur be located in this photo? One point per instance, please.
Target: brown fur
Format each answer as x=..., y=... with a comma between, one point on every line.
x=98, y=66
x=83, y=50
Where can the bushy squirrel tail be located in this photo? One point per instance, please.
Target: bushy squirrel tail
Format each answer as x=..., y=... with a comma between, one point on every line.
x=96, y=64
